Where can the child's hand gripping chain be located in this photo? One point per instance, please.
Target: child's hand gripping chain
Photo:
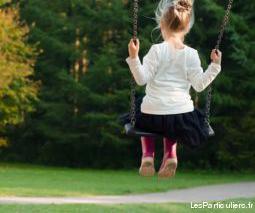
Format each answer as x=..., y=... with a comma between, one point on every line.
x=133, y=48
x=216, y=56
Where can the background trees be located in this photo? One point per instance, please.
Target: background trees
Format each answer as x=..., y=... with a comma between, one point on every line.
x=85, y=83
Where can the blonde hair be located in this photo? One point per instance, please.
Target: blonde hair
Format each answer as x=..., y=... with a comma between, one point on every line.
x=175, y=15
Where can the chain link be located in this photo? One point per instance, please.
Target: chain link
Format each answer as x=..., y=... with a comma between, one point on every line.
x=224, y=24
x=132, y=81
x=135, y=18
x=222, y=30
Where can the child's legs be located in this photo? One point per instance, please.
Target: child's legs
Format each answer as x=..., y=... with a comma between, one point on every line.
x=169, y=162
x=148, y=146
x=170, y=148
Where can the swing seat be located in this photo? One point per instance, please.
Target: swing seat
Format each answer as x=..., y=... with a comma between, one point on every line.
x=134, y=132
x=131, y=131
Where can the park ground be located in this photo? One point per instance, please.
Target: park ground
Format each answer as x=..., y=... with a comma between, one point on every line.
x=38, y=181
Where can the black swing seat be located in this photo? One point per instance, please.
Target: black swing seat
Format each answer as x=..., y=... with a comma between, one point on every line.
x=131, y=131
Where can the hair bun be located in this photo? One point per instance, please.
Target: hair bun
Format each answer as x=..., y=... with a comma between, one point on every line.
x=183, y=5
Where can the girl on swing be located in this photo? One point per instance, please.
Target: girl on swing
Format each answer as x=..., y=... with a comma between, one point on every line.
x=169, y=70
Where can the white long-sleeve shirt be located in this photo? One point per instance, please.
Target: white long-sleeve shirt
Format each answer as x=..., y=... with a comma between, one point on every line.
x=169, y=74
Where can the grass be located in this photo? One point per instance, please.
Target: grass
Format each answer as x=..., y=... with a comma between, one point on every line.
x=27, y=180
x=154, y=208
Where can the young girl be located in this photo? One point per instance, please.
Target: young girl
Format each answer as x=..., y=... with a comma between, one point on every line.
x=169, y=70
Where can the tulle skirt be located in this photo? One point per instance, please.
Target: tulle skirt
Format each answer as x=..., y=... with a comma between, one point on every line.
x=187, y=128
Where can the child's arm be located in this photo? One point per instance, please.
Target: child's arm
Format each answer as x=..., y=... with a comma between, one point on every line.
x=142, y=73
x=199, y=79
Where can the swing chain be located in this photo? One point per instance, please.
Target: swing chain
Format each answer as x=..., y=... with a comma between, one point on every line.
x=224, y=24
x=133, y=104
x=208, y=106
x=222, y=30
x=132, y=82
x=135, y=19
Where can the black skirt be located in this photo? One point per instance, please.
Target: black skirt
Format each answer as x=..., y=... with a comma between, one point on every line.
x=187, y=128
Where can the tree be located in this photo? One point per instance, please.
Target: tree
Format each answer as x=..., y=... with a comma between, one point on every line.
x=17, y=89
x=84, y=85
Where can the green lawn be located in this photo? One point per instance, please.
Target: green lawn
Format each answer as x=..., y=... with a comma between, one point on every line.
x=26, y=180
x=153, y=208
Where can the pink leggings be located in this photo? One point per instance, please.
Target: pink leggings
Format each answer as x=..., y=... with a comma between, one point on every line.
x=148, y=147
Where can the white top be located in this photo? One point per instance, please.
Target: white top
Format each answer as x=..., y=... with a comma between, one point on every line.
x=169, y=73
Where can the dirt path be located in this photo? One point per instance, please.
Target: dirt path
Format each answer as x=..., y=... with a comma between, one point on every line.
x=198, y=194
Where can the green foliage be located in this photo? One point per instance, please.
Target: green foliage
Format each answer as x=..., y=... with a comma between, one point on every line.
x=84, y=83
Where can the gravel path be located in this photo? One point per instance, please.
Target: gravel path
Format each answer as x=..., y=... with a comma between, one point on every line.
x=198, y=194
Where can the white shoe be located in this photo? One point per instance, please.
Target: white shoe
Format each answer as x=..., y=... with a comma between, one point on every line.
x=147, y=167
x=168, y=168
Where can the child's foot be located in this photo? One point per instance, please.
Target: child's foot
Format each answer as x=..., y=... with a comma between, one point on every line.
x=147, y=167
x=168, y=168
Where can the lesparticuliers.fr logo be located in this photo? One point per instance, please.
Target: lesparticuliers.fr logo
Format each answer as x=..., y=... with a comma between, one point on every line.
x=222, y=205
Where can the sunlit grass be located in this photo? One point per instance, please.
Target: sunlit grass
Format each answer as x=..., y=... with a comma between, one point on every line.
x=26, y=180
x=153, y=208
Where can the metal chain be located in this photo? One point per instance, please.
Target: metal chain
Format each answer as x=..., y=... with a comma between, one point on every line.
x=133, y=104
x=132, y=81
x=222, y=30
x=224, y=24
x=135, y=19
